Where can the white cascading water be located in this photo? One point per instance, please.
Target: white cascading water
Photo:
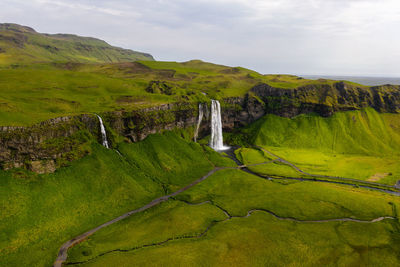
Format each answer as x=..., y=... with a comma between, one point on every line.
x=216, y=141
x=103, y=133
x=196, y=133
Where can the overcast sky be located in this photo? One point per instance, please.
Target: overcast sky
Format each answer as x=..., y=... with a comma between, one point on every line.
x=334, y=37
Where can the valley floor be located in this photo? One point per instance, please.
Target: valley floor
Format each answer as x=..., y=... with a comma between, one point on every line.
x=233, y=215
x=239, y=219
x=228, y=218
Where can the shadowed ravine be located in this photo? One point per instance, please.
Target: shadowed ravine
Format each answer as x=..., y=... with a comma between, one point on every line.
x=63, y=252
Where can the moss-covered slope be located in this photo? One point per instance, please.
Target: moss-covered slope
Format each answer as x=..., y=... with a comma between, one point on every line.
x=356, y=132
x=40, y=212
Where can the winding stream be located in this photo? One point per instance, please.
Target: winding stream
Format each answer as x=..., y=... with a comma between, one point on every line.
x=393, y=190
x=63, y=251
x=228, y=217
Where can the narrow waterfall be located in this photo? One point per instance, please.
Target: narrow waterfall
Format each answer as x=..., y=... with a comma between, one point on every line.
x=103, y=133
x=216, y=141
x=196, y=132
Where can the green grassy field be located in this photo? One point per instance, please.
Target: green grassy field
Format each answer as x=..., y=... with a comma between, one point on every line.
x=35, y=92
x=364, y=132
x=173, y=219
x=40, y=212
x=47, y=76
x=259, y=239
x=362, y=145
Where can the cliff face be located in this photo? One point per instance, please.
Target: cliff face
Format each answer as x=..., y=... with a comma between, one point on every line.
x=137, y=125
x=48, y=145
x=327, y=98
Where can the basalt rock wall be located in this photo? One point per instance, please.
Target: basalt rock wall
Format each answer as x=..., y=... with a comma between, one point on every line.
x=45, y=146
x=137, y=125
x=48, y=145
x=326, y=99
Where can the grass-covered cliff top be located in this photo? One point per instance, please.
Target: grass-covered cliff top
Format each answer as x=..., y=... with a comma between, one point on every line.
x=31, y=93
x=43, y=76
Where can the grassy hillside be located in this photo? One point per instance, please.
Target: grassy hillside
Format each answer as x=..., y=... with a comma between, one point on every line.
x=233, y=217
x=41, y=212
x=33, y=93
x=355, y=144
x=356, y=132
x=22, y=45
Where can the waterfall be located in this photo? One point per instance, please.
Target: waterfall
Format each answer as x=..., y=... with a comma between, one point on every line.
x=216, y=141
x=103, y=133
x=196, y=132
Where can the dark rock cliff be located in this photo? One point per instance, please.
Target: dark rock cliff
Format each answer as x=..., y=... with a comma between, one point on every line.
x=326, y=99
x=137, y=125
x=48, y=145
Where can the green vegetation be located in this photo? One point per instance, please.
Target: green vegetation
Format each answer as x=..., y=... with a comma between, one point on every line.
x=362, y=145
x=36, y=92
x=166, y=160
x=259, y=239
x=239, y=192
x=383, y=169
x=32, y=93
x=22, y=45
x=173, y=219
x=354, y=132
x=40, y=212
x=232, y=217
x=250, y=157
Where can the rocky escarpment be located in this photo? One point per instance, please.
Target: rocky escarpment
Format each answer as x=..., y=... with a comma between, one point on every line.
x=51, y=144
x=48, y=145
x=325, y=99
x=137, y=125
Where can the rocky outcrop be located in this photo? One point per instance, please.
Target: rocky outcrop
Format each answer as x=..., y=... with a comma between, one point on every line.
x=48, y=145
x=137, y=125
x=45, y=146
x=325, y=99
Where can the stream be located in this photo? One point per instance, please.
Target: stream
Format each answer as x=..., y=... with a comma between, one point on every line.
x=63, y=251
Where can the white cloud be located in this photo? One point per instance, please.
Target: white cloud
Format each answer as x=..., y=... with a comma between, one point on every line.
x=310, y=36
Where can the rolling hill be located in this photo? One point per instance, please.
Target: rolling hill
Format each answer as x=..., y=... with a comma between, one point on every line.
x=21, y=44
x=153, y=197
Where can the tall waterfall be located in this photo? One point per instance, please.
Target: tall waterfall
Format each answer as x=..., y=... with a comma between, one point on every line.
x=196, y=132
x=103, y=133
x=216, y=141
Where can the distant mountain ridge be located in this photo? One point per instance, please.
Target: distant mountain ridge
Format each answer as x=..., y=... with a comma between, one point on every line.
x=22, y=44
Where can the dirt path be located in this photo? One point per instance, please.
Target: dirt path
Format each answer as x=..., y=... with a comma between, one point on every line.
x=63, y=252
x=374, y=185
